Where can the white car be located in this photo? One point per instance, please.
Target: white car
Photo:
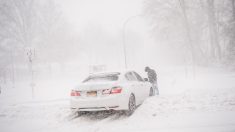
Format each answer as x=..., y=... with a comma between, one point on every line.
x=111, y=91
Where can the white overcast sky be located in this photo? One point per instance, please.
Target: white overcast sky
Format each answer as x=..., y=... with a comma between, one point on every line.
x=107, y=13
x=110, y=15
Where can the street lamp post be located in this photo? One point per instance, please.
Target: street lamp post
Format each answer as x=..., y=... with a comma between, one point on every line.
x=31, y=57
x=124, y=36
x=13, y=69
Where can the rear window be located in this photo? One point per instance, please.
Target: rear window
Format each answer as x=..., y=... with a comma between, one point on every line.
x=102, y=78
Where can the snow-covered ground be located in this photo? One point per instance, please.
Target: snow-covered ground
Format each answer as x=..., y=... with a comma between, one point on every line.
x=202, y=101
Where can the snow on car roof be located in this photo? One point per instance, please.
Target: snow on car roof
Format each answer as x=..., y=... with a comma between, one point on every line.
x=110, y=72
x=104, y=74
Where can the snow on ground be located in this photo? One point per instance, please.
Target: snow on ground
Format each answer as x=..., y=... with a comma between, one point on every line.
x=204, y=101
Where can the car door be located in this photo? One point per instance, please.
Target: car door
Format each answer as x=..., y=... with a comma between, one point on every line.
x=134, y=86
x=142, y=88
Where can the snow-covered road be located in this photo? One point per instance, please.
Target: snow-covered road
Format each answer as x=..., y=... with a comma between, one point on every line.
x=206, y=104
x=162, y=113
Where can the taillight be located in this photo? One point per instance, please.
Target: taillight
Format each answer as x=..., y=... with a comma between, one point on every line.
x=116, y=90
x=75, y=93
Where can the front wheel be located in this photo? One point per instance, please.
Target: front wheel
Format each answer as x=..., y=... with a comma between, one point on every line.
x=131, y=105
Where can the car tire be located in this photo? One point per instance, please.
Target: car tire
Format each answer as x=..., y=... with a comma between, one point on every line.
x=151, y=92
x=131, y=105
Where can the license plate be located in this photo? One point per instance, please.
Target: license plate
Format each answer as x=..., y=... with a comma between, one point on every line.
x=91, y=94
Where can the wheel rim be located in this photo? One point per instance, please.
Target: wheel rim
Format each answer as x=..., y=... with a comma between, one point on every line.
x=132, y=103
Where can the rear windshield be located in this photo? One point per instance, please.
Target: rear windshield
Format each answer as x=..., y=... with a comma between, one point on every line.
x=102, y=78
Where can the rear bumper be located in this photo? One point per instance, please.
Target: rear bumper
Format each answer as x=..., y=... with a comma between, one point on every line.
x=110, y=102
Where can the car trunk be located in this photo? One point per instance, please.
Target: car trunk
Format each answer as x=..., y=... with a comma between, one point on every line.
x=94, y=89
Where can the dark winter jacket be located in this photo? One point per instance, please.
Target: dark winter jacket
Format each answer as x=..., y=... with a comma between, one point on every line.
x=152, y=76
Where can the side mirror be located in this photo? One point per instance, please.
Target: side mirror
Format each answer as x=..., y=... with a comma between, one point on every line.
x=146, y=79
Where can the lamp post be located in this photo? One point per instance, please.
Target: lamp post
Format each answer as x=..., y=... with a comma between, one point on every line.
x=13, y=68
x=31, y=57
x=124, y=35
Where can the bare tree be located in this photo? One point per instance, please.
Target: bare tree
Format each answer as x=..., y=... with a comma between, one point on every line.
x=188, y=30
x=233, y=8
x=208, y=26
x=230, y=33
x=215, y=46
x=25, y=24
x=177, y=17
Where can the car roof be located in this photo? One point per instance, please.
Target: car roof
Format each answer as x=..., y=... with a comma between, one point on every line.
x=110, y=72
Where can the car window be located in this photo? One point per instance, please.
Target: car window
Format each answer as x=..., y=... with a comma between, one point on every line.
x=101, y=78
x=130, y=76
x=139, y=78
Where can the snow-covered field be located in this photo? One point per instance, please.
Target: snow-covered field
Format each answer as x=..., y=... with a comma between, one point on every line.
x=200, y=102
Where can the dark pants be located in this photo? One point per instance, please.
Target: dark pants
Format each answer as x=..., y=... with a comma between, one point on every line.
x=155, y=88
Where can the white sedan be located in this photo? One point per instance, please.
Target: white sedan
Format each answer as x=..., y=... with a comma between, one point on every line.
x=111, y=91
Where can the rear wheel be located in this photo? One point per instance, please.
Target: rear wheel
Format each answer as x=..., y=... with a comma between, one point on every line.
x=131, y=105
